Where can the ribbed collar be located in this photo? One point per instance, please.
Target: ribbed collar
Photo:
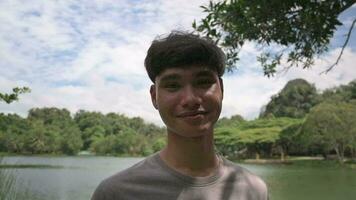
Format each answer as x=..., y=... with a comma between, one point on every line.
x=193, y=181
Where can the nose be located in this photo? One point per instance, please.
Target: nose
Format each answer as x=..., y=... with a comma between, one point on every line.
x=190, y=98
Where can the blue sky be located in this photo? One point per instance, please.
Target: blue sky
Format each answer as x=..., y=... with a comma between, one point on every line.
x=89, y=55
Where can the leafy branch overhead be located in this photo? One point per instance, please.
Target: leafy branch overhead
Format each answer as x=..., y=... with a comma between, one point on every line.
x=293, y=30
x=14, y=96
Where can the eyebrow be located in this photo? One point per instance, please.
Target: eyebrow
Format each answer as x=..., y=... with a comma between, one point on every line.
x=174, y=76
x=170, y=77
x=204, y=73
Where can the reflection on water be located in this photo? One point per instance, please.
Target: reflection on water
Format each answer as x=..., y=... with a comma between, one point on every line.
x=67, y=178
x=308, y=183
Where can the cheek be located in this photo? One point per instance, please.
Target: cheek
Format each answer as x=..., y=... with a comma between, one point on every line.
x=214, y=96
x=166, y=102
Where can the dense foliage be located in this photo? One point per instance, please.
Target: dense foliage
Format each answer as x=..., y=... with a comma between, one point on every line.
x=294, y=100
x=299, y=30
x=54, y=131
x=256, y=137
x=331, y=126
x=297, y=121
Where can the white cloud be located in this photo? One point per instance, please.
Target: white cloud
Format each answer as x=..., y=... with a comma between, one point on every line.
x=89, y=55
x=245, y=94
x=342, y=73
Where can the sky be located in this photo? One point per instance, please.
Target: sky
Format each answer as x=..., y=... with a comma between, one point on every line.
x=78, y=54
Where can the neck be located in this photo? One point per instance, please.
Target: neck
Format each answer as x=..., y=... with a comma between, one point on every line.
x=190, y=156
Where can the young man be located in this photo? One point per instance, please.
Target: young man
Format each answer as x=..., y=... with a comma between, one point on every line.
x=187, y=91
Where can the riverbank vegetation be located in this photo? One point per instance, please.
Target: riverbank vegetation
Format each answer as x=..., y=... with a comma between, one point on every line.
x=298, y=121
x=56, y=131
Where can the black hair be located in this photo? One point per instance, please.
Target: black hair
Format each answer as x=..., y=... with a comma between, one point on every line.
x=182, y=49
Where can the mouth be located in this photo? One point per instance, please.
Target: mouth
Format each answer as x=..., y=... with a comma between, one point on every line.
x=192, y=114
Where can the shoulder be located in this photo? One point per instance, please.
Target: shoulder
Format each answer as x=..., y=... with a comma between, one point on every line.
x=119, y=182
x=245, y=180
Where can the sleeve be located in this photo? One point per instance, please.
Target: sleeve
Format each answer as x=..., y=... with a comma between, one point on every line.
x=100, y=193
x=260, y=188
x=267, y=194
x=263, y=190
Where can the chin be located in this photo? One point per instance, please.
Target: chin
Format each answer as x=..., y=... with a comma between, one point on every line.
x=194, y=131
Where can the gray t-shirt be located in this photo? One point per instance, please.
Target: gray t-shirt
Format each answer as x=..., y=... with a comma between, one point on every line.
x=152, y=179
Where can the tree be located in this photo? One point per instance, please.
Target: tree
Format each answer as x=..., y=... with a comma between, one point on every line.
x=159, y=144
x=294, y=100
x=251, y=137
x=92, y=126
x=116, y=134
x=51, y=116
x=73, y=145
x=14, y=96
x=259, y=140
x=225, y=139
x=235, y=119
x=300, y=29
x=13, y=129
x=53, y=131
x=331, y=127
x=38, y=137
x=289, y=138
x=342, y=93
x=126, y=143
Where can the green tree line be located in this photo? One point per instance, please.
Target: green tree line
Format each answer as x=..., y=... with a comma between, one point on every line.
x=298, y=120
x=56, y=131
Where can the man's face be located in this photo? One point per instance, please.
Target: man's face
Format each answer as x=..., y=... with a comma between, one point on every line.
x=188, y=99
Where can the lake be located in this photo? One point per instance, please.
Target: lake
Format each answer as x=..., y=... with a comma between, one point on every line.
x=75, y=178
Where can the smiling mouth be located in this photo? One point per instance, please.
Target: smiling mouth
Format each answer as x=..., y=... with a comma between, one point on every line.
x=192, y=114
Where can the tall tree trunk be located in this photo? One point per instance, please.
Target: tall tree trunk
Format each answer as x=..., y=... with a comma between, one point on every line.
x=257, y=156
x=340, y=154
x=282, y=153
x=325, y=155
x=353, y=153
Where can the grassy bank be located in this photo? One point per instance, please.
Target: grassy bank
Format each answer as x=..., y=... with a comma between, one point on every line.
x=304, y=162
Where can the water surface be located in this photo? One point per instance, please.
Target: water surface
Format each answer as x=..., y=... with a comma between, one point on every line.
x=68, y=178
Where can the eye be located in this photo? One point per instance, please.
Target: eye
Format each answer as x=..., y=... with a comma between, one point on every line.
x=171, y=86
x=205, y=82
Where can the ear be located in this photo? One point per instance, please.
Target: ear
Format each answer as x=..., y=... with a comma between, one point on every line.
x=221, y=86
x=153, y=95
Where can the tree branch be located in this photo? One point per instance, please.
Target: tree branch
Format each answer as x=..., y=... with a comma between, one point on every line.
x=14, y=96
x=342, y=50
